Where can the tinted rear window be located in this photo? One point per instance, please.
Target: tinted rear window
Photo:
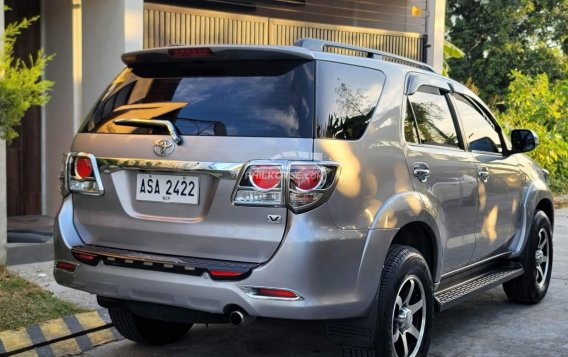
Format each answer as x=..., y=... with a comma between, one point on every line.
x=346, y=99
x=253, y=99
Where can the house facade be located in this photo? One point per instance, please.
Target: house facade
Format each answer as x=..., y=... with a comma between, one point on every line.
x=88, y=37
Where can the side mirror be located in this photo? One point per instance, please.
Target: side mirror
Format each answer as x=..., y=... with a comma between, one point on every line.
x=523, y=140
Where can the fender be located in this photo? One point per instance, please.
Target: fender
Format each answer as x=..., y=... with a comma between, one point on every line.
x=405, y=208
x=535, y=192
x=399, y=210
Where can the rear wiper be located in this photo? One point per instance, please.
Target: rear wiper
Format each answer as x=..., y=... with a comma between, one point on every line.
x=149, y=123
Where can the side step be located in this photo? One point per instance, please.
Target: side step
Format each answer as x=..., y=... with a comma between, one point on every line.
x=455, y=294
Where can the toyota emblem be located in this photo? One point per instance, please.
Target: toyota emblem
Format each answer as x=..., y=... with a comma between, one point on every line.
x=164, y=147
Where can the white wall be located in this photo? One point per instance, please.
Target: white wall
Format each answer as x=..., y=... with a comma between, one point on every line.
x=60, y=111
x=88, y=37
x=3, y=208
x=110, y=28
x=435, y=28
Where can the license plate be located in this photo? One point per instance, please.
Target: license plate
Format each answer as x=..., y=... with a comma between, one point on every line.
x=167, y=188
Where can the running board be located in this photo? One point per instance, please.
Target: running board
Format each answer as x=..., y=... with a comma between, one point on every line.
x=455, y=294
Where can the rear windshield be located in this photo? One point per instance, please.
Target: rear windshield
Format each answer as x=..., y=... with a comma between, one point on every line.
x=253, y=99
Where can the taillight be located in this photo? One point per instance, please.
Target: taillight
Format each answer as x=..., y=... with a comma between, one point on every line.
x=307, y=177
x=300, y=186
x=265, y=177
x=310, y=184
x=83, y=167
x=260, y=185
x=80, y=174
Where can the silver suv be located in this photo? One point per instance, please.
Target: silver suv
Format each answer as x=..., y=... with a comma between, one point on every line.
x=317, y=181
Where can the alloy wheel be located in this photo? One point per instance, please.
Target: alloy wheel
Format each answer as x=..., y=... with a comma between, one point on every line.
x=409, y=317
x=542, y=257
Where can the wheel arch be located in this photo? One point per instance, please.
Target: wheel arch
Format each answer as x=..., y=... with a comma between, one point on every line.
x=419, y=235
x=537, y=197
x=546, y=205
x=413, y=215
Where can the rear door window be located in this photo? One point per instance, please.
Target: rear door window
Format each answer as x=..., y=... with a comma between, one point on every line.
x=346, y=99
x=252, y=99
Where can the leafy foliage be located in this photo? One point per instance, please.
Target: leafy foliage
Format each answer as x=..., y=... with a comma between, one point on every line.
x=537, y=104
x=21, y=85
x=530, y=36
x=450, y=51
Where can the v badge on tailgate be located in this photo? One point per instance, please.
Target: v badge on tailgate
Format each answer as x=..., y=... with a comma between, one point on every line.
x=274, y=218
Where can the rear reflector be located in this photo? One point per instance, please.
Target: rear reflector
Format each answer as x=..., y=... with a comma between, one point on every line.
x=276, y=293
x=225, y=273
x=86, y=258
x=191, y=52
x=271, y=293
x=70, y=267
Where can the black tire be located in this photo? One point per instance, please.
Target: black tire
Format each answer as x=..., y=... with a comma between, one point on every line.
x=404, y=267
x=531, y=287
x=147, y=331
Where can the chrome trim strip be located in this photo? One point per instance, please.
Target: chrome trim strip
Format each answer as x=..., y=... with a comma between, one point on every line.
x=64, y=175
x=150, y=123
x=222, y=170
x=467, y=267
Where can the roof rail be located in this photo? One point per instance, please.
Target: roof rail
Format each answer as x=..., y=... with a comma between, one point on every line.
x=320, y=45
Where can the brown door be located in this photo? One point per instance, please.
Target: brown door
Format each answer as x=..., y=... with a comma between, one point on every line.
x=23, y=156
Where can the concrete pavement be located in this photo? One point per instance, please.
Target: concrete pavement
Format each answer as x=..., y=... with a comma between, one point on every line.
x=42, y=275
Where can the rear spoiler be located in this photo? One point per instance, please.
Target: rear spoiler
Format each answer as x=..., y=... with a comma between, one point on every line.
x=179, y=54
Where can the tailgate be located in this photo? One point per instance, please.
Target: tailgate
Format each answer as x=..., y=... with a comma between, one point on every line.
x=225, y=115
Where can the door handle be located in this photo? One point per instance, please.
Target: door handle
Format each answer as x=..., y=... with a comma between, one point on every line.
x=421, y=170
x=483, y=174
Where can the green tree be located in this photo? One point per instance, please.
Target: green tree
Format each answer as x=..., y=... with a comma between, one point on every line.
x=21, y=83
x=536, y=103
x=497, y=36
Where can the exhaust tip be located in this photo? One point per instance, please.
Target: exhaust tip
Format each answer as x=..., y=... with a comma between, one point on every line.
x=237, y=317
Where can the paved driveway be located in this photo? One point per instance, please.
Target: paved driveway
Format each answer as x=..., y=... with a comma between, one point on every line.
x=487, y=325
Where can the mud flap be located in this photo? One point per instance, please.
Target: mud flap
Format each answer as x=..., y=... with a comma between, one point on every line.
x=357, y=332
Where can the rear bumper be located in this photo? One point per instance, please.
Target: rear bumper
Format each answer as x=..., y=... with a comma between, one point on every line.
x=335, y=271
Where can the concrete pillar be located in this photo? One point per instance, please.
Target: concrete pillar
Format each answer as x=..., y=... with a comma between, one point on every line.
x=3, y=207
x=435, y=28
x=88, y=37
x=110, y=28
x=62, y=112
